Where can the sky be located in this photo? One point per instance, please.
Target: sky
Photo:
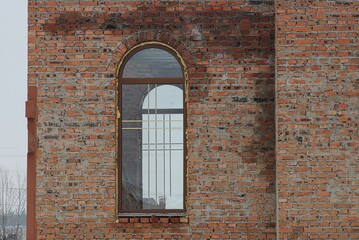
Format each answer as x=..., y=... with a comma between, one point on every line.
x=13, y=82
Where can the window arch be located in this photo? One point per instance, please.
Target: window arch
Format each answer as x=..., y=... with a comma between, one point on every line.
x=151, y=126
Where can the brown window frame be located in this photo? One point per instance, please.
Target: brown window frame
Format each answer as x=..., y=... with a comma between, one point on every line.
x=120, y=82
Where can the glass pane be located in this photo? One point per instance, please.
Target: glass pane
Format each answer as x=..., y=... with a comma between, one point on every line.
x=152, y=147
x=132, y=99
x=152, y=63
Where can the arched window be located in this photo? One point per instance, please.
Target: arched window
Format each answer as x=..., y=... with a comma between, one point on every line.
x=151, y=132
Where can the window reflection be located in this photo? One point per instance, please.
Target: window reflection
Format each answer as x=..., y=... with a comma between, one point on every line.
x=152, y=146
x=152, y=63
x=162, y=148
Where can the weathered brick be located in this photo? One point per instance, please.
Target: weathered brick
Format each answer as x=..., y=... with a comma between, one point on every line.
x=234, y=101
x=73, y=57
x=315, y=75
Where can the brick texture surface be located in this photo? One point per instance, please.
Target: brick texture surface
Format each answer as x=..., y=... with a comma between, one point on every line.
x=228, y=46
x=317, y=56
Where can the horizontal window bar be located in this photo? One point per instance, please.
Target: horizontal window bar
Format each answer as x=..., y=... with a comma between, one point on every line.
x=162, y=149
x=160, y=143
x=162, y=111
x=131, y=121
x=150, y=128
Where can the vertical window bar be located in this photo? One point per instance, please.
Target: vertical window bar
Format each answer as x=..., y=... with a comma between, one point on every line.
x=164, y=157
x=156, y=172
x=170, y=145
x=148, y=146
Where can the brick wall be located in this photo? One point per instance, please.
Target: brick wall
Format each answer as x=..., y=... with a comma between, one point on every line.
x=317, y=106
x=228, y=46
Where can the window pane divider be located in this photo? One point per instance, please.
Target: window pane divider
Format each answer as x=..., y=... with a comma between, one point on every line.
x=147, y=128
x=139, y=121
x=156, y=196
x=148, y=142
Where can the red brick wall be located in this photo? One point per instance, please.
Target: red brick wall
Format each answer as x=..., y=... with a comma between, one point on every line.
x=317, y=106
x=228, y=46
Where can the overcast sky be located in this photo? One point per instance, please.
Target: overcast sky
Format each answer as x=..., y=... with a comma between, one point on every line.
x=13, y=81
